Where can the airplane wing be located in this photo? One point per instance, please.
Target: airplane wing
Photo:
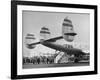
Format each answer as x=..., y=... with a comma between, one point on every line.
x=49, y=43
x=50, y=40
x=54, y=39
x=34, y=43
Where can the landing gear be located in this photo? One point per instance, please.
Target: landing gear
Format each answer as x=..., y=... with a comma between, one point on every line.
x=76, y=60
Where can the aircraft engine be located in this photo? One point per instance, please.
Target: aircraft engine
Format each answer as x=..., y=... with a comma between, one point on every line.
x=44, y=33
x=30, y=39
x=68, y=30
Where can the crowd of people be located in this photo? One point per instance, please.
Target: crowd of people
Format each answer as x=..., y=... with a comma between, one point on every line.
x=50, y=59
x=39, y=59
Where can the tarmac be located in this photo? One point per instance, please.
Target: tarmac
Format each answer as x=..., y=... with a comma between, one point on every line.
x=71, y=64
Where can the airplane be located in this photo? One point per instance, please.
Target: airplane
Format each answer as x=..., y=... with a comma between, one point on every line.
x=67, y=34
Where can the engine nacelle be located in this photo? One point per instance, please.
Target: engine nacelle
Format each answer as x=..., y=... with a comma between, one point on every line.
x=68, y=30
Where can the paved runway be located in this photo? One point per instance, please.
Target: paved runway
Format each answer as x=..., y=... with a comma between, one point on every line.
x=29, y=66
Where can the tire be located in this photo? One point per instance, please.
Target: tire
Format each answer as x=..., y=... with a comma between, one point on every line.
x=76, y=60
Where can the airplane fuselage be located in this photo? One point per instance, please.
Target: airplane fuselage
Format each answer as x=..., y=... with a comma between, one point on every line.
x=62, y=48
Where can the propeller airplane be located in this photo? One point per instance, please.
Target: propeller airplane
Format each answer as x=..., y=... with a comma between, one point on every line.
x=68, y=35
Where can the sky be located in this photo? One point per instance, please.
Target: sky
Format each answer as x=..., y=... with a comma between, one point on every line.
x=33, y=21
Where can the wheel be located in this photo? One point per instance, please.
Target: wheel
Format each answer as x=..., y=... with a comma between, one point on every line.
x=76, y=60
